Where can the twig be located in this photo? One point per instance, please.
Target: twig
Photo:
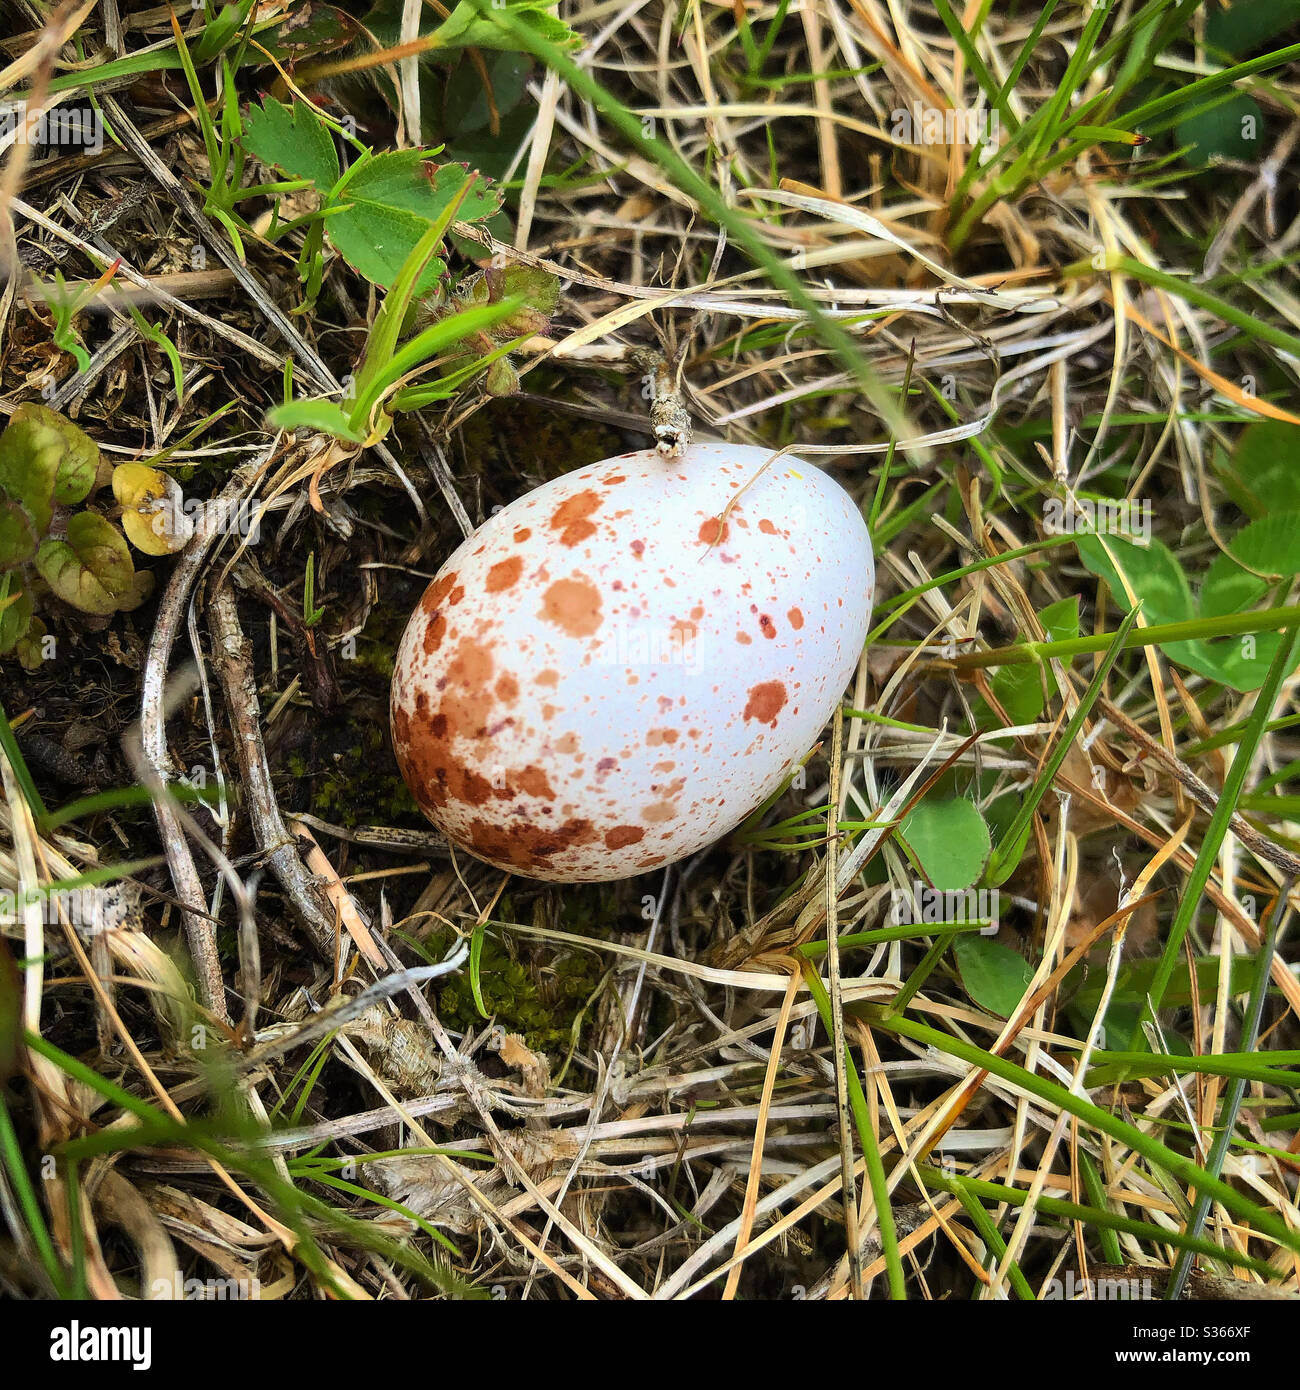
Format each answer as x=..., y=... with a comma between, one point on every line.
x=200, y=929
x=233, y=657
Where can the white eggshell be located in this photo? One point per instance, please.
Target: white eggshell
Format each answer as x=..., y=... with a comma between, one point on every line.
x=608, y=675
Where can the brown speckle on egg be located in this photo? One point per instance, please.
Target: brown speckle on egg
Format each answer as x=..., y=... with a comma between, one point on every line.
x=572, y=518
x=504, y=574
x=574, y=605
x=766, y=700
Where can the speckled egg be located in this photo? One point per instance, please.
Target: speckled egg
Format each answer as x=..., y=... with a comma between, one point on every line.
x=613, y=671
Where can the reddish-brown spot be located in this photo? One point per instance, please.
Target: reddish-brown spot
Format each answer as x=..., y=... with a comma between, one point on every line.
x=664, y=767
x=504, y=574
x=697, y=612
x=434, y=633
x=534, y=781
x=571, y=517
x=712, y=530
x=657, y=736
x=522, y=534
x=550, y=711
x=615, y=478
x=567, y=744
x=606, y=765
x=437, y=591
x=659, y=812
x=767, y=627
x=637, y=548
x=744, y=639
x=766, y=527
x=547, y=677
x=456, y=595
x=623, y=835
x=573, y=605
x=766, y=701
x=525, y=846
x=796, y=618
x=471, y=666
x=507, y=689
x=650, y=862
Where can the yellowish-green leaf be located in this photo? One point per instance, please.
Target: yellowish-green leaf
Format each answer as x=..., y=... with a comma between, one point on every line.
x=17, y=534
x=153, y=509
x=44, y=460
x=90, y=567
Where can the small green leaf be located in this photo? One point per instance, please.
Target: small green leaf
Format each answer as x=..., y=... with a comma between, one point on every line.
x=467, y=28
x=949, y=840
x=316, y=414
x=1243, y=26
x=994, y=975
x=476, y=968
x=466, y=99
x=45, y=459
x=91, y=569
x=1269, y=546
x=312, y=29
x=29, y=648
x=1227, y=588
x=1233, y=129
x=1134, y=978
x=295, y=139
x=17, y=534
x=1152, y=570
x=15, y=613
x=1019, y=689
x=1261, y=476
x=388, y=205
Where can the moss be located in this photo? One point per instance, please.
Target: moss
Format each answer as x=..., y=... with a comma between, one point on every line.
x=538, y=995
x=519, y=440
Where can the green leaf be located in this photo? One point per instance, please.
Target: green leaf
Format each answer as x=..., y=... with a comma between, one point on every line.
x=310, y=30
x=295, y=139
x=1227, y=588
x=994, y=975
x=949, y=840
x=1232, y=129
x=1019, y=689
x=17, y=534
x=467, y=28
x=465, y=101
x=1134, y=978
x=91, y=569
x=317, y=414
x=1261, y=475
x=1239, y=28
x=1269, y=546
x=29, y=649
x=1241, y=663
x=15, y=613
x=1153, y=572
x=1158, y=580
x=45, y=459
x=389, y=204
